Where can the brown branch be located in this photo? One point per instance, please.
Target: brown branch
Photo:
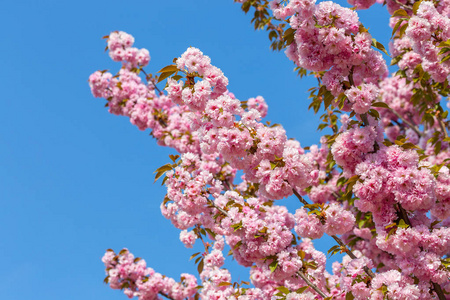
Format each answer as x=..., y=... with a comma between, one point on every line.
x=438, y=290
x=352, y=255
x=165, y=295
x=410, y=125
x=154, y=85
x=404, y=215
x=444, y=130
x=303, y=201
x=403, y=5
x=350, y=77
x=364, y=119
x=312, y=285
x=217, y=207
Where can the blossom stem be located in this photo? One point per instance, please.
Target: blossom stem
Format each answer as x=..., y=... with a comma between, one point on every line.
x=154, y=85
x=352, y=255
x=312, y=285
x=444, y=130
x=300, y=198
x=165, y=295
x=410, y=125
x=217, y=207
x=403, y=5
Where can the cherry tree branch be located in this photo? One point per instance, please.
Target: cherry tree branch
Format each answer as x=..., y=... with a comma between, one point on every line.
x=217, y=207
x=444, y=130
x=154, y=85
x=312, y=285
x=404, y=6
x=438, y=290
x=410, y=125
x=165, y=295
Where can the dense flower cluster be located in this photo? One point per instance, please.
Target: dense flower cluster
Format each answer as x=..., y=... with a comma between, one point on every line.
x=379, y=184
x=137, y=280
x=426, y=29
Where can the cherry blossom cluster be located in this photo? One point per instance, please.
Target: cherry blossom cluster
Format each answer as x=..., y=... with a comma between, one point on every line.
x=262, y=152
x=329, y=37
x=131, y=274
x=379, y=181
x=120, y=49
x=426, y=29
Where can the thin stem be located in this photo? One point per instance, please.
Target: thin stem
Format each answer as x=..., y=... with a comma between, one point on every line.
x=154, y=85
x=410, y=125
x=312, y=285
x=403, y=5
x=165, y=295
x=350, y=77
x=444, y=130
x=303, y=201
x=352, y=256
x=404, y=215
x=217, y=207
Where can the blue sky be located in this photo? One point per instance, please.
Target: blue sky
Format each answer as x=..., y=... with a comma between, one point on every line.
x=75, y=180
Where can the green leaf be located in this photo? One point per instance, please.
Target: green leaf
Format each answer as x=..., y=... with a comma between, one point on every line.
x=332, y=249
x=402, y=224
x=379, y=46
x=273, y=266
x=445, y=58
x=283, y=289
x=374, y=113
x=349, y=296
x=302, y=289
x=416, y=6
x=169, y=68
x=403, y=29
x=397, y=25
x=165, y=75
x=200, y=267
x=380, y=104
x=224, y=284
x=194, y=255
x=238, y=244
x=400, y=13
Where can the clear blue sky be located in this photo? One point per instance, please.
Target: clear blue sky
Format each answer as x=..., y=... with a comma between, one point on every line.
x=75, y=180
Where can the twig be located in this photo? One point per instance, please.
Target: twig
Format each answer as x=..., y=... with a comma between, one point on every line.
x=403, y=5
x=364, y=119
x=312, y=285
x=154, y=85
x=165, y=295
x=303, y=201
x=410, y=125
x=217, y=207
x=350, y=77
x=352, y=256
x=444, y=130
